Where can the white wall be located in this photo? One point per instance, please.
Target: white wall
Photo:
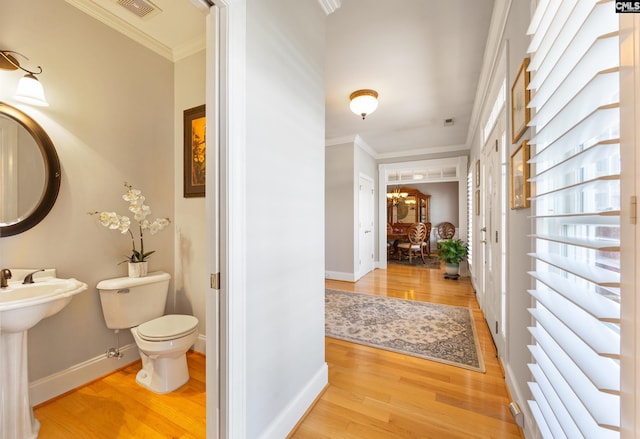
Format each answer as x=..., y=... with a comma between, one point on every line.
x=111, y=119
x=339, y=211
x=519, y=227
x=285, y=43
x=516, y=355
x=191, y=277
x=344, y=165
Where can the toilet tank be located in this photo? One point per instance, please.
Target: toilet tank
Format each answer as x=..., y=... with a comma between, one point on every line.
x=130, y=301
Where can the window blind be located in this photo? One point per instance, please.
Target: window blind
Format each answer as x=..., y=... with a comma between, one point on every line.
x=575, y=168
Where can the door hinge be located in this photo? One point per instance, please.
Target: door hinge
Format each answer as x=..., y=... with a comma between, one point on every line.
x=633, y=216
x=496, y=236
x=215, y=281
x=496, y=326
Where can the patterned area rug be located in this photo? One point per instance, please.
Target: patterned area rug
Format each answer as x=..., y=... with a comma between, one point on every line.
x=430, y=262
x=435, y=332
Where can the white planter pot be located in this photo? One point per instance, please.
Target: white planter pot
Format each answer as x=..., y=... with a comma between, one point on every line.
x=138, y=269
x=451, y=268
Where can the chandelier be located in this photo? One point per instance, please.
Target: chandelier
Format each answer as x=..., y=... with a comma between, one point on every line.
x=396, y=196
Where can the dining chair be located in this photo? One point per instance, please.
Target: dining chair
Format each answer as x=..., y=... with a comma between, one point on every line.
x=415, y=234
x=445, y=230
x=427, y=239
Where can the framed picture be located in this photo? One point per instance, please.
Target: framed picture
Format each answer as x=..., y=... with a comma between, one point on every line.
x=195, y=148
x=520, y=96
x=519, y=176
x=478, y=173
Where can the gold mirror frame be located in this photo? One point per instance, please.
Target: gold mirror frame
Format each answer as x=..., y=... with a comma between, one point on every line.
x=52, y=171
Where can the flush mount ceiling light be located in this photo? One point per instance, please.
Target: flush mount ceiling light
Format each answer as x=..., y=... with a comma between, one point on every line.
x=363, y=102
x=29, y=89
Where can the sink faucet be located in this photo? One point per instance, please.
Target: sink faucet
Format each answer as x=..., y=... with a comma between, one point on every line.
x=5, y=274
x=28, y=279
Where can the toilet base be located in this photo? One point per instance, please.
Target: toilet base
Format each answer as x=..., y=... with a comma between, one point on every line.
x=163, y=374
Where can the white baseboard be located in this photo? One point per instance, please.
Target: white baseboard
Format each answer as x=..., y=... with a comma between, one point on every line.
x=54, y=385
x=76, y=376
x=293, y=412
x=201, y=344
x=530, y=429
x=337, y=275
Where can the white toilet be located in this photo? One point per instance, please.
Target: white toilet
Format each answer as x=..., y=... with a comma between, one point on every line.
x=163, y=340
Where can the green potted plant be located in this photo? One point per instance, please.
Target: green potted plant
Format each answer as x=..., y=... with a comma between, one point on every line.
x=452, y=251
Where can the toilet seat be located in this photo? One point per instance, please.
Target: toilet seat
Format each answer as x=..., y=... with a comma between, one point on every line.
x=167, y=327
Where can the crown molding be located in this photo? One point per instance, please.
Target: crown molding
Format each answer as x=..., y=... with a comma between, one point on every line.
x=423, y=151
x=495, y=38
x=359, y=141
x=104, y=16
x=194, y=46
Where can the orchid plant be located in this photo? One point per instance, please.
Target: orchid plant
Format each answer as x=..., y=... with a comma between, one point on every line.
x=140, y=213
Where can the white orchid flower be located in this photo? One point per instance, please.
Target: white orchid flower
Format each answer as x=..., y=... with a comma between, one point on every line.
x=123, y=223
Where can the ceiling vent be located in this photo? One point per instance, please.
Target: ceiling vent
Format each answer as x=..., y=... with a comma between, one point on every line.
x=142, y=8
x=448, y=122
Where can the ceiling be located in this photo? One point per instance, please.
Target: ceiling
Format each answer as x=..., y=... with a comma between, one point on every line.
x=424, y=57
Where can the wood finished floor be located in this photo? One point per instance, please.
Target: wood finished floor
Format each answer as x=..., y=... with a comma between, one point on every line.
x=116, y=407
x=378, y=394
x=371, y=394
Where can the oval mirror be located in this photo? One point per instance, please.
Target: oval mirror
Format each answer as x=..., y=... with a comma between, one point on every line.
x=29, y=172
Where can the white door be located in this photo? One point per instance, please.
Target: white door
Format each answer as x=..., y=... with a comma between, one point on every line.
x=365, y=226
x=492, y=236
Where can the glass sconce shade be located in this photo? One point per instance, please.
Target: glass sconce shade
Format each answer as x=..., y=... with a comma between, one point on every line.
x=30, y=91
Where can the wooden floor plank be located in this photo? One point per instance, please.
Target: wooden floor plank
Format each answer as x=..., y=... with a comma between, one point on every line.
x=372, y=393
x=422, y=398
x=116, y=407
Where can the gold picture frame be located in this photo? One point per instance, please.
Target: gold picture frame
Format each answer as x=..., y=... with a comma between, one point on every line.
x=195, y=148
x=520, y=97
x=520, y=186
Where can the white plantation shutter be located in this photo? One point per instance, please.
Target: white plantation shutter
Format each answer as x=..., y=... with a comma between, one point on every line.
x=575, y=168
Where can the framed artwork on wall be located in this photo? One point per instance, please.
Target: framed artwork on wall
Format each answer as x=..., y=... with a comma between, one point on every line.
x=195, y=149
x=520, y=96
x=520, y=176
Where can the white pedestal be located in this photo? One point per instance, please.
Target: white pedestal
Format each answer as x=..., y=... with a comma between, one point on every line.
x=16, y=414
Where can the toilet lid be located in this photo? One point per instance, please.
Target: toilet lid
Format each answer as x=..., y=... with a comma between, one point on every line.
x=167, y=327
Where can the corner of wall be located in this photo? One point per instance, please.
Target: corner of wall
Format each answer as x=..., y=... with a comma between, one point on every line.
x=291, y=415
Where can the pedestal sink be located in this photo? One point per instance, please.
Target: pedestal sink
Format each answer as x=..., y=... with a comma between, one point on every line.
x=22, y=306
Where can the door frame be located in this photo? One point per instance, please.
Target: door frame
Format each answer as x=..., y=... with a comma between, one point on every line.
x=230, y=84
x=385, y=169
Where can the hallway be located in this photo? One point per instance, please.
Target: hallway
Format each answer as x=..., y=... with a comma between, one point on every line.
x=378, y=394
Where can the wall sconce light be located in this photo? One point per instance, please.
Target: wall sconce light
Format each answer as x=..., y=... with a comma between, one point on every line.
x=29, y=89
x=363, y=102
